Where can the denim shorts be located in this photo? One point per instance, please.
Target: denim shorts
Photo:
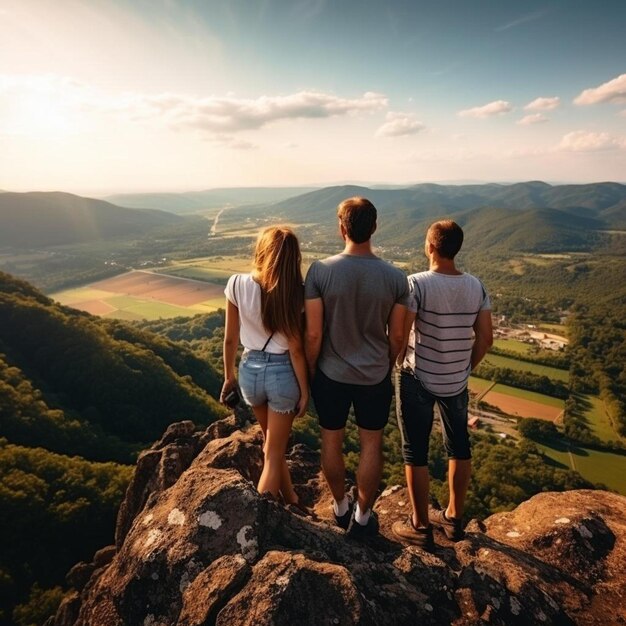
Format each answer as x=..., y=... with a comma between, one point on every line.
x=266, y=378
x=415, y=409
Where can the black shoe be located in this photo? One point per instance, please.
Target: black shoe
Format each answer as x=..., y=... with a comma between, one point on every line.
x=420, y=537
x=451, y=526
x=343, y=521
x=359, y=532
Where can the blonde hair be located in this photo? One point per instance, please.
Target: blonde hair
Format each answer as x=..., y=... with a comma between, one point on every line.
x=277, y=269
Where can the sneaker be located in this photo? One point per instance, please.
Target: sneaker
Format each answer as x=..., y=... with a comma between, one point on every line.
x=359, y=532
x=420, y=537
x=343, y=521
x=451, y=526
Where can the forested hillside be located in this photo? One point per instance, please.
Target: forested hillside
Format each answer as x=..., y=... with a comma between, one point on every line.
x=79, y=397
x=52, y=218
x=525, y=217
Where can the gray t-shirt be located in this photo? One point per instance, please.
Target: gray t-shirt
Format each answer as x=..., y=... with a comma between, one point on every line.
x=441, y=339
x=358, y=293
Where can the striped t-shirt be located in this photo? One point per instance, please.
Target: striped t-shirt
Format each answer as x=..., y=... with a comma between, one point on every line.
x=441, y=339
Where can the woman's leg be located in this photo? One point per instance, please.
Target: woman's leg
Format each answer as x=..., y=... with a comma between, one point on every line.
x=286, y=486
x=275, y=477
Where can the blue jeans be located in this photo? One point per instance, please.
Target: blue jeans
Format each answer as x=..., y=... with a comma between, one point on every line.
x=415, y=409
x=266, y=378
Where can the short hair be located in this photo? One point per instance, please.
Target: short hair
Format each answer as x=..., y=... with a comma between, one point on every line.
x=447, y=238
x=358, y=217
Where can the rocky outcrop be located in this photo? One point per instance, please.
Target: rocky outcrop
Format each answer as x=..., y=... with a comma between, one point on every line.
x=197, y=545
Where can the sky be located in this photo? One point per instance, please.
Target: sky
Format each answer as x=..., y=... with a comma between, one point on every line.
x=106, y=96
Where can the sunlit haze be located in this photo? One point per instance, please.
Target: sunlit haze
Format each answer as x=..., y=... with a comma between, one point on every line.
x=110, y=96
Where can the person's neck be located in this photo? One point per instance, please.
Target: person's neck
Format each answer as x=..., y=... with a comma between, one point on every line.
x=441, y=265
x=358, y=249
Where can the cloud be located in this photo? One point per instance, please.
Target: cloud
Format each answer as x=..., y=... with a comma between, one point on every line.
x=498, y=107
x=398, y=124
x=612, y=91
x=543, y=104
x=231, y=114
x=535, y=118
x=530, y=17
x=586, y=141
x=211, y=115
x=227, y=141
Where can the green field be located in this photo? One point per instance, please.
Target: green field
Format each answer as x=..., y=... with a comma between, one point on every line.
x=512, y=345
x=599, y=420
x=527, y=395
x=556, y=329
x=597, y=467
x=205, y=274
x=524, y=366
x=478, y=384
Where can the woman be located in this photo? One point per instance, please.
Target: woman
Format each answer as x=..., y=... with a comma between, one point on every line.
x=264, y=309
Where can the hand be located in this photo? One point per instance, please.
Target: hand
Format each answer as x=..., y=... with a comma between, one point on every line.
x=303, y=404
x=229, y=384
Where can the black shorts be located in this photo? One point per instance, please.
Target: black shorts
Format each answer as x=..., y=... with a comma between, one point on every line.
x=333, y=400
x=414, y=407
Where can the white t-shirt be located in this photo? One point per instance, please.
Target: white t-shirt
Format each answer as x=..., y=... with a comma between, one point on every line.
x=245, y=294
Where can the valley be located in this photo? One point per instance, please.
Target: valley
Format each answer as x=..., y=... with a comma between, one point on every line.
x=128, y=338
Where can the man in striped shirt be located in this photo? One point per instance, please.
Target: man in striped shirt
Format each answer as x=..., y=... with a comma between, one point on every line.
x=447, y=333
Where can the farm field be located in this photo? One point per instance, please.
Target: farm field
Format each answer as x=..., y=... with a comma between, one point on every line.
x=512, y=345
x=522, y=403
x=598, y=467
x=599, y=420
x=557, y=329
x=144, y=295
x=477, y=385
x=524, y=366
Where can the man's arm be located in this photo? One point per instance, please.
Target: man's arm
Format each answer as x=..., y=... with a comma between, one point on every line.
x=409, y=320
x=483, y=339
x=395, y=331
x=314, y=313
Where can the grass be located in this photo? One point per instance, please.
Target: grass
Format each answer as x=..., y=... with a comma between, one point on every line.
x=81, y=294
x=596, y=466
x=156, y=310
x=524, y=366
x=208, y=306
x=556, y=329
x=478, y=384
x=527, y=395
x=599, y=420
x=205, y=274
x=512, y=345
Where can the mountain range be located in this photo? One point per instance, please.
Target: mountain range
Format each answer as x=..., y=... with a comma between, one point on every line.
x=54, y=218
x=531, y=216
x=191, y=201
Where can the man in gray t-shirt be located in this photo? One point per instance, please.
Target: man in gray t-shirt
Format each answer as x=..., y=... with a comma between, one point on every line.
x=355, y=306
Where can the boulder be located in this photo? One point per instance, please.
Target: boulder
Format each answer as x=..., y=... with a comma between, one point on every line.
x=198, y=545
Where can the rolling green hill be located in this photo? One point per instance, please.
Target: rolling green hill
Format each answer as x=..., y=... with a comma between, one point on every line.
x=530, y=217
x=37, y=219
x=76, y=384
x=191, y=201
x=79, y=397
